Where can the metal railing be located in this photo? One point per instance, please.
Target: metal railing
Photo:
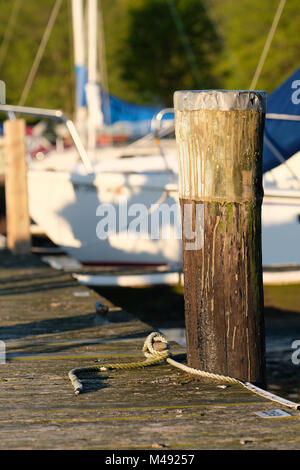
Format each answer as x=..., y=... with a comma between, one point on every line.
x=55, y=114
x=156, y=123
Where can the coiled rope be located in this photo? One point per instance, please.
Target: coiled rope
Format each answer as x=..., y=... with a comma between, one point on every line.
x=157, y=349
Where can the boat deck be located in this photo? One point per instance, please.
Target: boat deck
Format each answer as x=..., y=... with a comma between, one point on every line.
x=49, y=326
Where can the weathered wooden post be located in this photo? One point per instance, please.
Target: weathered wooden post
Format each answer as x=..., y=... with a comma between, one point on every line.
x=16, y=195
x=219, y=138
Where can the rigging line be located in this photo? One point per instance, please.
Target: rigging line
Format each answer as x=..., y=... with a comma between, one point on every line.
x=40, y=52
x=184, y=39
x=70, y=33
x=267, y=44
x=103, y=67
x=9, y=30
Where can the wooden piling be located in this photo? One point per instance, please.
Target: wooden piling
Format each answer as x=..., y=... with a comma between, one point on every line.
x=219, y=138
x=16, y=194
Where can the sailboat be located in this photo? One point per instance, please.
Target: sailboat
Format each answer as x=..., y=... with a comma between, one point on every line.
x=68, y=198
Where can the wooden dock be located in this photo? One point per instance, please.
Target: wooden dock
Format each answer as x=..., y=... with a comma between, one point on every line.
x=49, y=326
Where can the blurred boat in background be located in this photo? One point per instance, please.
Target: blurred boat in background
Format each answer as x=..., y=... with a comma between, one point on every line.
x=70, y=216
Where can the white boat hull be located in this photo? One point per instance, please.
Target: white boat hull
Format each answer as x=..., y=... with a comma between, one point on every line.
x=65, y=206
x=281, y=228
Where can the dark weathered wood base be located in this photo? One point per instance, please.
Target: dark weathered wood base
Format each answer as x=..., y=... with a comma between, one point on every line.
x=223, y=292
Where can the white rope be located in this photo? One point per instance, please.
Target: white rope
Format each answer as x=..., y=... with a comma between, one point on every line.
x=157, y=349
x=267, y=44
x=40, y=52
x=202, y=373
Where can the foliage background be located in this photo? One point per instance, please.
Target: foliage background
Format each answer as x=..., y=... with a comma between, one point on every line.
x=150, y=51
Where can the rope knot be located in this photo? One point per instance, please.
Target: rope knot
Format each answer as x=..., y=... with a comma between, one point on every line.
x=156, y=345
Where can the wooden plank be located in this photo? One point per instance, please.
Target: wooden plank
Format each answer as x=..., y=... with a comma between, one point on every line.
x=48, y=331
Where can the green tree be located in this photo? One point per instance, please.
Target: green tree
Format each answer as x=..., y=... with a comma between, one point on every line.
x=152, y=47
x=54, y=83
x=244, y=26
x=170, y=45
x=115, y=29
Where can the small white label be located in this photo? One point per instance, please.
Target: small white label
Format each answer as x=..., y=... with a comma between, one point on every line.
x=272, y=414
x=2, y=352
x=81, y=294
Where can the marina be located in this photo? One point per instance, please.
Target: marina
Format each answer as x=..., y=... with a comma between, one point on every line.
x=149, y=227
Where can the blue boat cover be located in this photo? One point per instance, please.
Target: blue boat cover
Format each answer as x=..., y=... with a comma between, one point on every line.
x=114, y=109
x=283, y=135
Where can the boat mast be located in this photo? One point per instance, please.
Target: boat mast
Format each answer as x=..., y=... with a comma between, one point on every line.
x=95, y=116
x=80, y=65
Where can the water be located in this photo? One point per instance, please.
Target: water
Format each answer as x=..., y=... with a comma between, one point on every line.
x=175, y=334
